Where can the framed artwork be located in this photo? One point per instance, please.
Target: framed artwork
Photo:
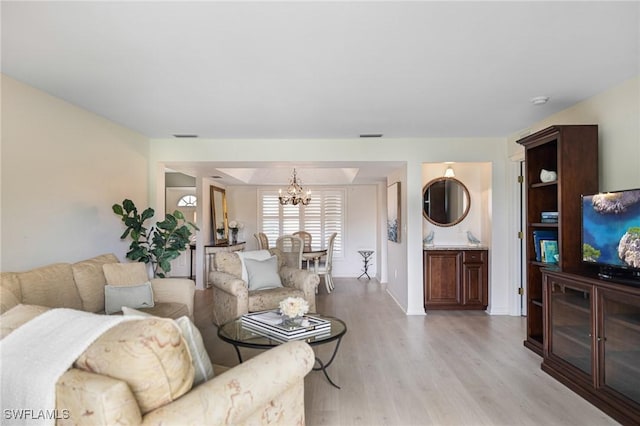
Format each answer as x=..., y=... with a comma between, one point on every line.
x=393, y=212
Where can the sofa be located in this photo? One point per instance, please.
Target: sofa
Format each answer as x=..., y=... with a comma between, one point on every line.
x=81, y=286
x=141, y=371
x=233, y=297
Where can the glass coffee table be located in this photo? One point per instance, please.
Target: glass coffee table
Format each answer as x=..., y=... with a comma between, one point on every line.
x=239, y=336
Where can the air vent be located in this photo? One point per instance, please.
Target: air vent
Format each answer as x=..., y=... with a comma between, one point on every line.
x=185, y=136
x=371, y=135
x=216, y=177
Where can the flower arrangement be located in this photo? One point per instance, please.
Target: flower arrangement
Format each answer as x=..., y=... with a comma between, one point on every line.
x=293, y=307
x=235, y=225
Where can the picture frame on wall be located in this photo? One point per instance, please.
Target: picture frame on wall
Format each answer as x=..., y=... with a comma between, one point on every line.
x=393, y=212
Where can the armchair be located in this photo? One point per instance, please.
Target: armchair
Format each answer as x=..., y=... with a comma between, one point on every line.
x=233, y=298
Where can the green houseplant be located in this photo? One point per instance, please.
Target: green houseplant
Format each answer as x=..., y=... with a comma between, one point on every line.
x=159, y=244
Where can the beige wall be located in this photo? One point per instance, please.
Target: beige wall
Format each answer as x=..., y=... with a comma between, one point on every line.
x=617, y=114
x=62, y=170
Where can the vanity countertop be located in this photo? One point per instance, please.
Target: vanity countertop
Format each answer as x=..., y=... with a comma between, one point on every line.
x=460, y=247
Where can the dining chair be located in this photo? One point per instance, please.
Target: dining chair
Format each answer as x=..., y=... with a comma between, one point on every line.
x=263, y=240
x=326, y=264
x=306, y=239
x=291, y=248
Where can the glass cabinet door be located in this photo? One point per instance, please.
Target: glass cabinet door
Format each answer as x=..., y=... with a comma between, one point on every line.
x=620, y=343
x=570, y=323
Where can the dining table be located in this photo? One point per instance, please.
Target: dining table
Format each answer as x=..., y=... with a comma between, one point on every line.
x=314, y=255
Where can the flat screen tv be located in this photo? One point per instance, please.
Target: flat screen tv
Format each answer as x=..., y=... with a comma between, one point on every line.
x=611, y=234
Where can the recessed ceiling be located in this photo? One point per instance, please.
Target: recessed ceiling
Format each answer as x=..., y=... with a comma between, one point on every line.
x=321, y=69
x=325, y=173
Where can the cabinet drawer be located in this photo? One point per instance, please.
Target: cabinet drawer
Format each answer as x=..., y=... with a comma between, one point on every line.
x=474, y=256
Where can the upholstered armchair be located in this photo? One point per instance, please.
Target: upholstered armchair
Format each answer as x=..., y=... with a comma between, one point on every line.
x=267, y=281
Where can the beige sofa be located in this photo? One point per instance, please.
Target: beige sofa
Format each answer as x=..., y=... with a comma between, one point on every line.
x=81, y=286
x=141, y=372
x=232, y=297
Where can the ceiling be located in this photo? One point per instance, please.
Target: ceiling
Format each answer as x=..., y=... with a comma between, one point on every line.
x=331, y=69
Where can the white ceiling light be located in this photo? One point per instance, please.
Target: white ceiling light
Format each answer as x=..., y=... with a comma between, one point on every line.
x=539, y=100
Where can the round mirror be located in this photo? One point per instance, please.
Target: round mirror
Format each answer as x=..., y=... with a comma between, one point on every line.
x=446, y=201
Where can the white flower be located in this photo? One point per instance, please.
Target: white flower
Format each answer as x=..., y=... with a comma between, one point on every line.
x=233, y=224
x=294, y=307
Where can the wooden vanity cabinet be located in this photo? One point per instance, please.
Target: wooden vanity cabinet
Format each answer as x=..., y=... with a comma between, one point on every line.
x=456, y=278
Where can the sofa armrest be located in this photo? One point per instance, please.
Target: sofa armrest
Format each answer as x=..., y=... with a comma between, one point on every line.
x=84, y=398
x=304, y=280
x=229, y=283
x=180, y=290
x=268, y=388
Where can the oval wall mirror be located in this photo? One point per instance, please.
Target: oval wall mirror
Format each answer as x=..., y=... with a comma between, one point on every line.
x=446, y=201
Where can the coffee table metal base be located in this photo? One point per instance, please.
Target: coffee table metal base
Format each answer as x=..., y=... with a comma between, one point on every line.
x=321, y=365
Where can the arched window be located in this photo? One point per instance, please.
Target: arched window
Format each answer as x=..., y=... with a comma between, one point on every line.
x=188, y=201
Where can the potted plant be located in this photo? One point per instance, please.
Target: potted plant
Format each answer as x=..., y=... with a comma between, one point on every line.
x=159, y=244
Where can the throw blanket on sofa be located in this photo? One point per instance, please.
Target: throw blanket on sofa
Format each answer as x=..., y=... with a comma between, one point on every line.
x=36, y=354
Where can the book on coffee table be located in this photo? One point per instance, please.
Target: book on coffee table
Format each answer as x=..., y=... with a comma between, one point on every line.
x=271, y=322
x=281, y=338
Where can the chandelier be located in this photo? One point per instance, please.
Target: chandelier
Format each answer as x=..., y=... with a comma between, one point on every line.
x=295, y=194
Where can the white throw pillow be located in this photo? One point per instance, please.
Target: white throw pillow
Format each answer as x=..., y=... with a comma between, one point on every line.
x=132, y=296
x=199, y=357
x=263, y=274
x=253, y=254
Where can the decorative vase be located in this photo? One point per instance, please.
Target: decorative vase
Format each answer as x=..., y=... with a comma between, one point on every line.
x=234, y=235
x=292, y=322
x=548, y=175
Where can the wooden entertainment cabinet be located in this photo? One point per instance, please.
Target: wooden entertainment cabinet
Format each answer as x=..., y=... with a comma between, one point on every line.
x=592, y=340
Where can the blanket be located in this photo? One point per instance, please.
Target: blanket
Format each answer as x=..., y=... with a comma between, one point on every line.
x=35, y=355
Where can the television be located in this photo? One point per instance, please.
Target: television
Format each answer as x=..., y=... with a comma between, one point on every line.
x=611, y=234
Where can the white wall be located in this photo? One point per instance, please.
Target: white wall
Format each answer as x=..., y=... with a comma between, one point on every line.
x=62, y=170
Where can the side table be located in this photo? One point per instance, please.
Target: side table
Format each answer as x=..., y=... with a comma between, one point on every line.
x=366, y=257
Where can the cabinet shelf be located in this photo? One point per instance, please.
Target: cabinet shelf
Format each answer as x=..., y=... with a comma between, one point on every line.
x=577, y=334
x=573, y=302
x=627, y=360
x=631, y=321
x=543, y=184
x=544, y=225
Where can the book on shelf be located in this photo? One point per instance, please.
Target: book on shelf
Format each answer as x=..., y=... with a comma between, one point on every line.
x=271, y=322
x=542, y=234
x=549, y=251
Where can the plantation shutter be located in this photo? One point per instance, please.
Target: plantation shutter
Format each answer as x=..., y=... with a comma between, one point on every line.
x=323, y=216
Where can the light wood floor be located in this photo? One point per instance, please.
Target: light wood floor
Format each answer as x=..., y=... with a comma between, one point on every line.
x=445, y=368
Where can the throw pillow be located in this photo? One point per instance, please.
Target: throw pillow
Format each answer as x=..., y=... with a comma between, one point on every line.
x=132, y=296
x=125, y=273
x=263, y=274
x=254, y=254
x=149, y=354
x=199, y=357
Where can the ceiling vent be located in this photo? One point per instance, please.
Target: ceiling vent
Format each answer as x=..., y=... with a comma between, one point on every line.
x=371, y=135
x=185, y=136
